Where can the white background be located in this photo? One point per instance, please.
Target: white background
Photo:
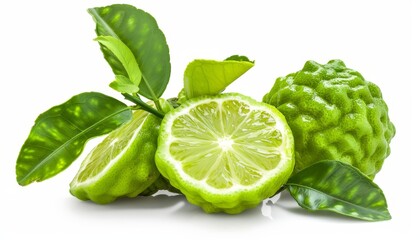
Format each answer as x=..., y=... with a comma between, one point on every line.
x=48, y=55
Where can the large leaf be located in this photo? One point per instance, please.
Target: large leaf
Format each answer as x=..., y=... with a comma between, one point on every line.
x=139, y=31
x=209, y=77
x=59, y=134
x=338, y=187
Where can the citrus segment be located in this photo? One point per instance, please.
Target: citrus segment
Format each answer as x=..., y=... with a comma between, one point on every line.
x=225, y=153
x=122, y=165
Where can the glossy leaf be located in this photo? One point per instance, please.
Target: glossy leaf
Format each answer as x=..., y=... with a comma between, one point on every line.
x=124, y=85
x=338, y=187
x=59, y=134
x=124, y=55
x=139, y=31
x=209, y=77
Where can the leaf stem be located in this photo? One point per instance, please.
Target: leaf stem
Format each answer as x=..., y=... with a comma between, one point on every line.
x=142, y=105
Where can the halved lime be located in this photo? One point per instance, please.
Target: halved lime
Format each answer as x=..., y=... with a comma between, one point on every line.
x=122, y=165
x=225, y=153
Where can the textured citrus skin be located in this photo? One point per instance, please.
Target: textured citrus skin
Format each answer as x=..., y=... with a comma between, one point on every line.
x=210, y=199
x=334, y=114
x=134, y=172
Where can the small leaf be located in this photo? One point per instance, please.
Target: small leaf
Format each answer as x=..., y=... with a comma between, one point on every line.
x=165, y=105
x=338, y=187
x=59, y=134
x=124, y=85
x=139, y=31
x=182, y=97
x=124, y=55
x=209, y=77
x=239, y=58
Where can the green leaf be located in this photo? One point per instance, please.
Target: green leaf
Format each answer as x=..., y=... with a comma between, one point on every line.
x=239, y=58
x=124, y=55
x=165, y=105
x=124, y=85
x=182, y=97
x=209, y=77
x=338, y=187
x=59, y=134
x=139, y=31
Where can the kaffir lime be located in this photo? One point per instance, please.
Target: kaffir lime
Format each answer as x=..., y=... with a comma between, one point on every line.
x=334, y=114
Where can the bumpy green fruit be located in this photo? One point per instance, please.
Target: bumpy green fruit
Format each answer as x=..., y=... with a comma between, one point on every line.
x=334, y=114
x=123, y=164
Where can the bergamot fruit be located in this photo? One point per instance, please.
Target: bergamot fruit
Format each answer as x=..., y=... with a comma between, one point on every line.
x=225, y=153
x=122, y=165
x=334, y=114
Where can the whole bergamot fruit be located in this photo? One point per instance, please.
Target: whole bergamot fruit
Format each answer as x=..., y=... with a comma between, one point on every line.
x=334, y=114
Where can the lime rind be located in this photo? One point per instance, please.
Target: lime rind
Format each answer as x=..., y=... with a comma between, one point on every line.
x=233, y=199
x=129, y=173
